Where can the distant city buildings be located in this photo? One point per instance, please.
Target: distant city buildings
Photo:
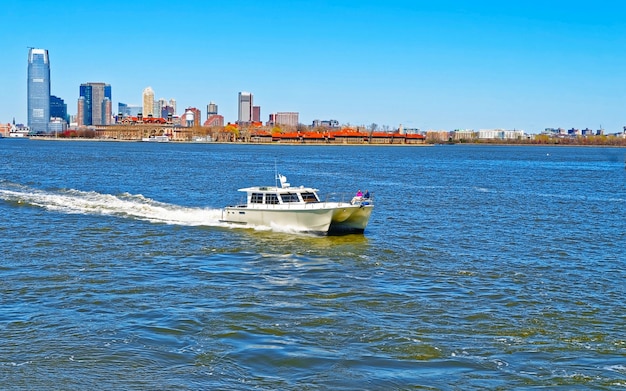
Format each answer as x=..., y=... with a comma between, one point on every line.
x=331, y=123
x=191, y=118
x=128, y=110
x=14, y=130
x=165, y=109
x=211, y=109
x=58, y=108
x=57, y=125
x=284, y=118
x=212, y=117
x=167, y=112
x=244, y=104
x=561, y=132
x=38, y=90
x=94, y=104
x=499, y=134
x=214, y=120
x=49, y=114
x=148, y=102
x=173, y=105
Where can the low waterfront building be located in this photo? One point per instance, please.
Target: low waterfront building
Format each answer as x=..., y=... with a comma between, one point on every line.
x=57, y=126
x=331, y=123
x=19, y=130
x=500, y=134
x=463, y=135
x=5, y=129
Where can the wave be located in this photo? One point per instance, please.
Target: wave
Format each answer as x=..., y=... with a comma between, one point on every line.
x=125, y=205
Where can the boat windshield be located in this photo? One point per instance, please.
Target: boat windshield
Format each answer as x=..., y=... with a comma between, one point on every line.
x=290, y=197
x=309, y=197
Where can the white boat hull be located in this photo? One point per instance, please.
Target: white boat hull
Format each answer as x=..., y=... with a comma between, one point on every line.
x=321, y=218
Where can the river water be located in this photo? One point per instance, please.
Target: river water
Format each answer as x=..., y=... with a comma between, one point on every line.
x=483, y=267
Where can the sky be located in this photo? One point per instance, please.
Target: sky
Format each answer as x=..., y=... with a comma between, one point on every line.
x=439, y=65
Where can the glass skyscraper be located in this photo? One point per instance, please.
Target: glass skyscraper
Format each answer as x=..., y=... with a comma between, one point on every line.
x=38, y=90
x=58, y=108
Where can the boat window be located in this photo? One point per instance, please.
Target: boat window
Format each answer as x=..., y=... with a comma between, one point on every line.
x=309, y=197
x=290, y=197
x=271, y=199
x=256, y=198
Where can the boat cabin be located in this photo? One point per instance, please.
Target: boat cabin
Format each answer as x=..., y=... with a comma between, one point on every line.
x=276, y=196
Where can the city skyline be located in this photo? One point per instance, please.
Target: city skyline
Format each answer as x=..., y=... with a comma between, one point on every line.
x=443, y=65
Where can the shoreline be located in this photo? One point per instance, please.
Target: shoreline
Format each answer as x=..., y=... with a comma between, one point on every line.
x=82, y=139
x=217, y=142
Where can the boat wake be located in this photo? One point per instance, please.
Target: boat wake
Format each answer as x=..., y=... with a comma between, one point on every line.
x=125, y=205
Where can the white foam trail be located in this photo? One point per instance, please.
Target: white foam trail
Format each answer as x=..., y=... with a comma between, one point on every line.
x=124, y=205
x=134, y=206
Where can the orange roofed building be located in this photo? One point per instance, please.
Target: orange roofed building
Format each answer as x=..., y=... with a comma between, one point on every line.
x=342, y=136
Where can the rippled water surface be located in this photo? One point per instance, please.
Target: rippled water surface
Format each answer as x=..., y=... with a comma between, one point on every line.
x=482, y=267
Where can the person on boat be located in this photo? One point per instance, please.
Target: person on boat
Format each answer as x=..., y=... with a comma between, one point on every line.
x=366, y=195
x=357, y=198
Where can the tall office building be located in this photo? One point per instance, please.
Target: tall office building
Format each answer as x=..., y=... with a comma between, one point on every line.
x=148, y=102
x=58, y=108
x=173, y=104
x=38, y=90
x=256, y=113
x=94, y=104
x=211, y=109
x=245, y=108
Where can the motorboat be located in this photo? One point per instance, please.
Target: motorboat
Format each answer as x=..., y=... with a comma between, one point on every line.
x=300, y=209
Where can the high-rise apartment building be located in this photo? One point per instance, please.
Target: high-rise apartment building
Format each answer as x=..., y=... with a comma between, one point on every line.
x=38, y=90
x=148, y=102
x=94, y=104
x=245, y=108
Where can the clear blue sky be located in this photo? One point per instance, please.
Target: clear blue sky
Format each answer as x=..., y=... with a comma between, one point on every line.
x=441, y=64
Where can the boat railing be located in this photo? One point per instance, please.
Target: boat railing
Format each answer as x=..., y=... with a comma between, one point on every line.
x=339, y=198
x=348, y=199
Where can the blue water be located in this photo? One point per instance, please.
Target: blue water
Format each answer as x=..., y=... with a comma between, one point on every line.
x=483, y=267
